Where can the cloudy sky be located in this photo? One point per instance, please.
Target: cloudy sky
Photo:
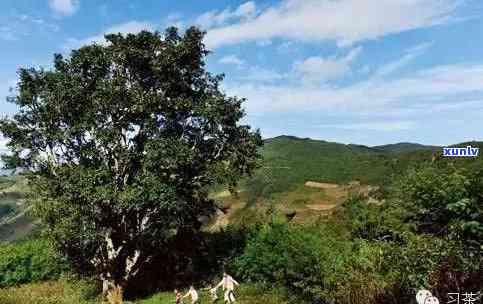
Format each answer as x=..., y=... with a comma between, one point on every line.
x=353, y=71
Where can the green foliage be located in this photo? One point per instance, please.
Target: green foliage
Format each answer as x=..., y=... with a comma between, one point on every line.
x=392, y=247
x=422, y=235
x=373, y=221
x=314, y=262
x=29, y=261
x=445, y=202
x=122, y=141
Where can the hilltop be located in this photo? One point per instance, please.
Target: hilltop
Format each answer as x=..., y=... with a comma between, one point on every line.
x=406, y=147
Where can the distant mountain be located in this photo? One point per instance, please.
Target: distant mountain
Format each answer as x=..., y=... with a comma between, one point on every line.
x=289, y=161
x=405, y=147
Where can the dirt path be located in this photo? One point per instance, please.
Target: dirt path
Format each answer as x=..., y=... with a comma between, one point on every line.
x=321, y=207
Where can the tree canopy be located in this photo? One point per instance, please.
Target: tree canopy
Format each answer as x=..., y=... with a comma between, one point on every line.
x=121, y=141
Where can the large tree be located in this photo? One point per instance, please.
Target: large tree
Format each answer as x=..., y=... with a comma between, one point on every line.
x=121, y=141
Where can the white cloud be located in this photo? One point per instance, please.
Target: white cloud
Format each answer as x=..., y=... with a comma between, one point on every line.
x=210, y=19
x=317, y=69
x=64, y=7
x=433, y=86
x=410, y=55
x=344, y=21
x=385, y=126
x=7, y=33
x=26, y=23
x=231, y=59
x=124, y=28
x=259, y=74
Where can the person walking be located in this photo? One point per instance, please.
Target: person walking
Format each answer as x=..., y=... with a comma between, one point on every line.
x=228, y=283
x=178, y=296
x=193, y=294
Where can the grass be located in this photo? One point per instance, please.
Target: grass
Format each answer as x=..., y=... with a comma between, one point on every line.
x=79, y=292
x=53, y=292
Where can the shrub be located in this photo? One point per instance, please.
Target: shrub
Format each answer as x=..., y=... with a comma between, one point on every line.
x=28, y=261
x=371, y=221
x=424, y=232
x=445, y=202
x=314, y=262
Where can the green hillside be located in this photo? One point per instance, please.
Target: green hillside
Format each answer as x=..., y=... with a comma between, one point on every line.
x=405, y=147
x=289, y=162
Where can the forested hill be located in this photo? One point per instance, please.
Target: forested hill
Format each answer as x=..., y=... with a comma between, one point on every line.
x=290, y=160
x=406, y=147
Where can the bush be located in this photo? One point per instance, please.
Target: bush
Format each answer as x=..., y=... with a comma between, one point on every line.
x=445, y=202
x=423, y=231
x=371, y=221
x=314, y=262
x=29, y=261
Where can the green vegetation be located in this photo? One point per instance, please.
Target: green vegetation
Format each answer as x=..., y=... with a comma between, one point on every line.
x=29, y=261
x=423, y=231
x=289, y=162
x=68, y=291
x=120, y=142
x=62, y=291
x=405, y=147
x=427, y=235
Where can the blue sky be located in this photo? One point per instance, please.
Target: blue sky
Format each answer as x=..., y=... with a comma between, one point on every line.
x=353, y=71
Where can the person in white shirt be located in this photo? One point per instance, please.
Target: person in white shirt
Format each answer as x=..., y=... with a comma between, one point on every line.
x=228, y=284
x=193, y=294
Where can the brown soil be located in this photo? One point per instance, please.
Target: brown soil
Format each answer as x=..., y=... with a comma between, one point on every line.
x=321, y=185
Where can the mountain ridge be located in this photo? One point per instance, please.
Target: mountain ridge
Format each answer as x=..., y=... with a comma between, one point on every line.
x=392, y=147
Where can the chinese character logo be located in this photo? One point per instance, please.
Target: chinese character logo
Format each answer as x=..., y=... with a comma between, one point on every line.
x=463, y=298
x=425, y=297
